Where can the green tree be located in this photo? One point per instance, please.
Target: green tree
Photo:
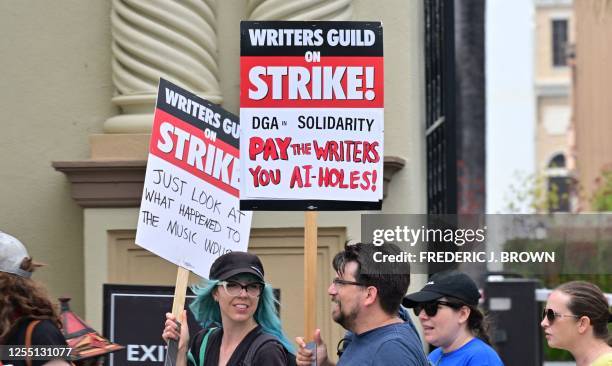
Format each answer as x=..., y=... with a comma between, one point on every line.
x=533, y=194
x=602, y=197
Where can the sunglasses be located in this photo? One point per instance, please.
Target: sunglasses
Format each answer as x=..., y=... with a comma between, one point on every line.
x=431, y=308
x=551, y=315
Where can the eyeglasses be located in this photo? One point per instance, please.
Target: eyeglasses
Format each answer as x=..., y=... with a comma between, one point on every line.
x=431, y=308
x=234, y=288
x=551, y=315
x=337, y=282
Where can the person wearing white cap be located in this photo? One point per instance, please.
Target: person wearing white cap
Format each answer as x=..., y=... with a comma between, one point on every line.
x=27, y=316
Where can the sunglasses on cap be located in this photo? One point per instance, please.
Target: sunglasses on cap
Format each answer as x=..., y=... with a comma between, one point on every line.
x=551, y=315
x=431, y=308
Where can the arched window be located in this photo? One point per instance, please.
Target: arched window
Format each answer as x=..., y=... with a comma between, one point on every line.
x=559, y=184
x=557, y=161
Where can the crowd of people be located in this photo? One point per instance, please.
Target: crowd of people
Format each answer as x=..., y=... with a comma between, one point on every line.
x=240, y=325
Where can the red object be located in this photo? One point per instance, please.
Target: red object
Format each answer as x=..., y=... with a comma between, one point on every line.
x=84, y=340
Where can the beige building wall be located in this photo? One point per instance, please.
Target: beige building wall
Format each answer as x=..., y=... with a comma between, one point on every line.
x=546, y=12
x=58, y=66
x=56, y=90
x=554, y=116
x=592, y=93
x=552, y=87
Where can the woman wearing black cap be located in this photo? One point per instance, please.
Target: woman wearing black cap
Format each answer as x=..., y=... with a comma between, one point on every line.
x=576, y=319
x=448, y=312
x=236, y=298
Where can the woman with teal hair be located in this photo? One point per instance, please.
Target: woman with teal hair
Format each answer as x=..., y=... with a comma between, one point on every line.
x=237, y=311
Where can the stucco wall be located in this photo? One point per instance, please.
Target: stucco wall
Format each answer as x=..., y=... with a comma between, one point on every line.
x=56, y=90
x=550, y=142
x=592, y=97
x=545, y=71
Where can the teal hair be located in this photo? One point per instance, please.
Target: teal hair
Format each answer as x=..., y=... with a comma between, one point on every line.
x=206, y=311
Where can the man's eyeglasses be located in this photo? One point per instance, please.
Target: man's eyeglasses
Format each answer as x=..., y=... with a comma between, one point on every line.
x=339, y=283
x=551, y=315
x=234, y=288
x=431, y=308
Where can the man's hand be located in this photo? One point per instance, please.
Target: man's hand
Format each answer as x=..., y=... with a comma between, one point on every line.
x=305, y=357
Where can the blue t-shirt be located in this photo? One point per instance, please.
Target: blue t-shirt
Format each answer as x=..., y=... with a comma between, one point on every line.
x=473, y=353
x=394, y=345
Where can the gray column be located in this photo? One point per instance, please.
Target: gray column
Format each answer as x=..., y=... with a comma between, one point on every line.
x=300, y=9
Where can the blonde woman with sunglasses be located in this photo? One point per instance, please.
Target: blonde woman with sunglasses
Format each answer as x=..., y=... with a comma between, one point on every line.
x=576, y=319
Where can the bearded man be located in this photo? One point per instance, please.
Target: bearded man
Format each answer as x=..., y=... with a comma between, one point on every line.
x=366, y=298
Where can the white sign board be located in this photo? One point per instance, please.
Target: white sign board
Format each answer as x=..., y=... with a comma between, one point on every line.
x=189, y=214
x=311, y=106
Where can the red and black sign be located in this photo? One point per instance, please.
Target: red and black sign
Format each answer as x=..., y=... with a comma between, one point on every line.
x=308, y=87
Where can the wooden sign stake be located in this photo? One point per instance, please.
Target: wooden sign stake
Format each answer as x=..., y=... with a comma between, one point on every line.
x=310, y=273
x=180, y=291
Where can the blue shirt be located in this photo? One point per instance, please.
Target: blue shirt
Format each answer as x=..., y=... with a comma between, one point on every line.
x=395, y=345
x=473, y=353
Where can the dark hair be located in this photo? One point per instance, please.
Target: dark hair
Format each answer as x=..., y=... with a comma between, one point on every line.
x=390, y=279
x=586, y=299
x=478, y=323
x=23, y=298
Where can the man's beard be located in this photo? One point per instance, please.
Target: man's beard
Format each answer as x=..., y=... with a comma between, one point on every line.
x=347, y=321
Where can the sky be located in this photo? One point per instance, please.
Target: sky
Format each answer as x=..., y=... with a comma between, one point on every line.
x=510, y=131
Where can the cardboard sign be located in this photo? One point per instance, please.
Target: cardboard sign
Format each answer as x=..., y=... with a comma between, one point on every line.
x=189, y=214
x=311, y=106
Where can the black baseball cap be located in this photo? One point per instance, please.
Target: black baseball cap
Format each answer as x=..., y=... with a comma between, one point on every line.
x=233, y=263
x=448, y=283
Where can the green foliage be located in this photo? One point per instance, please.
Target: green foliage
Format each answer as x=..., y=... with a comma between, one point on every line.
x=602, y=197
x=531, y=194
x=572, y=260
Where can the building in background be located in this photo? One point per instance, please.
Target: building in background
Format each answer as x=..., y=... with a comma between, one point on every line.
x=592, y=100
x=554, y=28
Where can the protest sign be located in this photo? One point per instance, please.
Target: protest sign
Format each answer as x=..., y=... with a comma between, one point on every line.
x=311, y=106
x=190, y=212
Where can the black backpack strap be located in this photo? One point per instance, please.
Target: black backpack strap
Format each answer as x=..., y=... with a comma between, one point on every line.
x=259, y=341
x=200, y=338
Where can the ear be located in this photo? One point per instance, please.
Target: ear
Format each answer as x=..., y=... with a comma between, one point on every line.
x=215, y=294
x=464, y=314
x=371, y=295
x=583, y=324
